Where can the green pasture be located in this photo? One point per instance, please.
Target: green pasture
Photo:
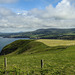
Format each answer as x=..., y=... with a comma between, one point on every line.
x=58, y=57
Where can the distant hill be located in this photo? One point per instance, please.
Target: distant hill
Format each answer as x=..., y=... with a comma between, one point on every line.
x=51, y=33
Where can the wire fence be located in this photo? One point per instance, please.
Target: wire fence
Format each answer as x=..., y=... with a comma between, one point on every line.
x=44, y=69
x=17, y=71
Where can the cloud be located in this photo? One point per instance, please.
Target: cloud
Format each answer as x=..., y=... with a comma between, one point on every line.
x=5, y=12
x=61, y=16
x=62, y=11
x=7, y=1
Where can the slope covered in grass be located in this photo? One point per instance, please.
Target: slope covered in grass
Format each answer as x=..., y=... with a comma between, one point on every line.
x=21, y=46
x=58, y=60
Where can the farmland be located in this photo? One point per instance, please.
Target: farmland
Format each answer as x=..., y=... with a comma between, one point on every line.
x=58, y=57
x=57, y=42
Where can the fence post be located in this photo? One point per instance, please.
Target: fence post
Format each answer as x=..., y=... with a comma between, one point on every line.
x=5, y=64
x=42, y=64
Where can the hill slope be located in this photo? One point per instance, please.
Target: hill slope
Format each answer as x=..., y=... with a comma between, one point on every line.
x=35, y=46
x=29, y=47
x=21, y=46
x=51, y=33
x=26, y=56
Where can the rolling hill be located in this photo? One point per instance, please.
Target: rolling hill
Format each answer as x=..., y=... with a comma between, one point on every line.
x=21, y=46
x=25, y=55
x=51, y=33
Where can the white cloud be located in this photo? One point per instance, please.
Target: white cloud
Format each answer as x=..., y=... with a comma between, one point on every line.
x=5, y=12
x=62, y=11
x=62, y=16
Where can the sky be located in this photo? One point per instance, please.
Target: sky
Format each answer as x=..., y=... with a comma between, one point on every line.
x=30, y=15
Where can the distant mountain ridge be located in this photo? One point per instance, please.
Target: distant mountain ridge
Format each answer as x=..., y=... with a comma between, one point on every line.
x=51, y=33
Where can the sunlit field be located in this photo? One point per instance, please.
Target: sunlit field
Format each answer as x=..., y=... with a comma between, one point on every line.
x=55, y=42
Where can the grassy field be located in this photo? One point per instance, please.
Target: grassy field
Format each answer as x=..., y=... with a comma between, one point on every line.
x=57, y=42
x=58, y=60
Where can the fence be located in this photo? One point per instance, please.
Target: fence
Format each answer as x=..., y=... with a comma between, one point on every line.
x=17, y=71
x=50, y=70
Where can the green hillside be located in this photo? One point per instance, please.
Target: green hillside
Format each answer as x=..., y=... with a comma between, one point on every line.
x=24, y=46
x=52, y=33
x=27, y=54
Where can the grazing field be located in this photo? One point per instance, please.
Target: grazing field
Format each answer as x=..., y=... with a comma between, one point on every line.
x=57, y=42
x=58, y=60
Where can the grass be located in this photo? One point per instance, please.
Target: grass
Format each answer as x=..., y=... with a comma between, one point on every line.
x=57, y=42
x=58, y=60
